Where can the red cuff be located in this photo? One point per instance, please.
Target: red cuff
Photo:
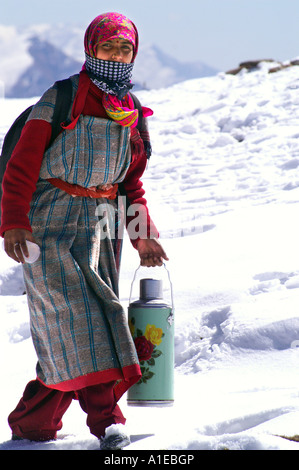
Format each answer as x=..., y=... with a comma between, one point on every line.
x=126, y=377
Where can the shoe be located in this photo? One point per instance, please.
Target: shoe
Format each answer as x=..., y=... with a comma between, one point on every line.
x=115, y=438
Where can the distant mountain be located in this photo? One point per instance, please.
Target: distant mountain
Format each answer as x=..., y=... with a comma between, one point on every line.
x=31, y=60
x=49, y=65
x=155, y=69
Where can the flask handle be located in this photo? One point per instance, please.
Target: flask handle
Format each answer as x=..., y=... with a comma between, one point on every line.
x=170, y=283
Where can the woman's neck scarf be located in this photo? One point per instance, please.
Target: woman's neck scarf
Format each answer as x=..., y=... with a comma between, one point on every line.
x=113, y=78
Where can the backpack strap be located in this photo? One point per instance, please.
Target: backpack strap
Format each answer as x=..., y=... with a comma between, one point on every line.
x=62, y=105
x=138, y=106
x=146, y=141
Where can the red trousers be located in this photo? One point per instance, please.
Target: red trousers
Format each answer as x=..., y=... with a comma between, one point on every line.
x=39, y=413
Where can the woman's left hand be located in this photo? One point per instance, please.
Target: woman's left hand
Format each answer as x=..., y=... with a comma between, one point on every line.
x=151, y=252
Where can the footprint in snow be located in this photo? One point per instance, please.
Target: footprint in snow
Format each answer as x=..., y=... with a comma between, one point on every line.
x=270, y=281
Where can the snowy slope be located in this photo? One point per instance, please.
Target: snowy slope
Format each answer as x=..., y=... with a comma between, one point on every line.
x=223, y=187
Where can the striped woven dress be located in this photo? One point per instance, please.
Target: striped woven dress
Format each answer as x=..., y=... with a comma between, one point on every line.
x=78, y=325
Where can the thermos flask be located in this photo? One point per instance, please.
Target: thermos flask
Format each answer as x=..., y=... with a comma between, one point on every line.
x=151, y=321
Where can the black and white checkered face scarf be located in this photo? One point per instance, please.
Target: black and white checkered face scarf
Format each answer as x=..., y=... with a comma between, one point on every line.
x=109, y=76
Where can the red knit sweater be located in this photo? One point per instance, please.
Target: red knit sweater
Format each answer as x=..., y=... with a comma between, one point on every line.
x=23, y=169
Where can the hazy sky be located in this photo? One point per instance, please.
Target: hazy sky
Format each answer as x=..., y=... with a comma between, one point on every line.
x=221, y=33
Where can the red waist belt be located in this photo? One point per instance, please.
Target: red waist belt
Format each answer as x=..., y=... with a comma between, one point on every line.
x=76, y=190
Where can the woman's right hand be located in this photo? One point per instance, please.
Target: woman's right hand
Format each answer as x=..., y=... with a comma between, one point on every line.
x=15, y=243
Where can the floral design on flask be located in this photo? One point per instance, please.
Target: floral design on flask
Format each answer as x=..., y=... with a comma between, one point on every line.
x=146, y=346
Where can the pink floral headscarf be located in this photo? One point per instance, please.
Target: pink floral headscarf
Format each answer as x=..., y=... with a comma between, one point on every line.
x=110, y=26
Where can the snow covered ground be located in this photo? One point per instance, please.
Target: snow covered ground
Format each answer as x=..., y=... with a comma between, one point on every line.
x=223, y=188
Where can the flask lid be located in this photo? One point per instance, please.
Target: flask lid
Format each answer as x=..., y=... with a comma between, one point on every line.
x=151, y=289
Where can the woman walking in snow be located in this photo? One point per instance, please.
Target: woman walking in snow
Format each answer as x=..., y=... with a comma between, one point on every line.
x=79, y=328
